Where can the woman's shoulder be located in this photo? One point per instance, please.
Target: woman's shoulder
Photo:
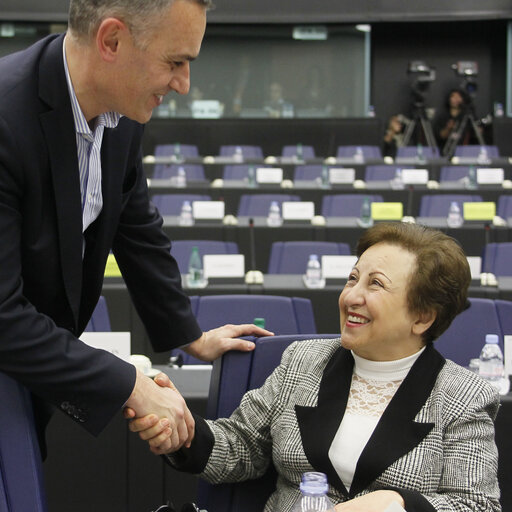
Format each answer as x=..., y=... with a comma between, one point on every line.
x=311, y=352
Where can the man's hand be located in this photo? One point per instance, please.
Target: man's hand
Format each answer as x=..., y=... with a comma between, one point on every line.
x=214, y=343
x=165, y=404
x=151, y=428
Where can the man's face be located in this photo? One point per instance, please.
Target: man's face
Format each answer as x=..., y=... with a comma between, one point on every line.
x=145, y=76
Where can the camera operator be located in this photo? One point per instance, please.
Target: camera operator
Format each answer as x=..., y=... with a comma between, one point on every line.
x=394, y=136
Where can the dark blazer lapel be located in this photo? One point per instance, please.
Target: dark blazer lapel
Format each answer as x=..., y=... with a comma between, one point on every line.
x=318, y=425
x=58, y=128
x=397, y=433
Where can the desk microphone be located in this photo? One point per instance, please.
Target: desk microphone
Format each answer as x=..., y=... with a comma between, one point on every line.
x=252, y=246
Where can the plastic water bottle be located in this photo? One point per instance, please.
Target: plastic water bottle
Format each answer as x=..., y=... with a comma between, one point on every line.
x=483, y=156
x=313, y=490
x=238, y=156
x=195, y=277
x=325, y=180
x=299, y=153
x=359, y=155
x=491, y=359
x=251, y=177
x=365, y=217
x=181, y=178
x=313, y=276
x=454, y=219
x=177, y=152
x=472, y=182
x=259, y=322
x=186, y=216
x=274, y=218
x=419, y=153
x=397, y=182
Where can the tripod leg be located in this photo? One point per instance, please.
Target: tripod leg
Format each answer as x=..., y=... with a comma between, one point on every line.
x=478, y=135
x=408, y=132
x=454, y=138
x=429, y=133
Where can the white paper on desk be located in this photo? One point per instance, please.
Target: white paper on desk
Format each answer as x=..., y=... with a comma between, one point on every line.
x=507, y=356
x=475, y=266
x=269, y=175
x=488, y=176
x=298, y=210
x=212, y=210
x=342, y=176
x=415, y=176
x=224, y=265
x=337, y=267
x=117, y=343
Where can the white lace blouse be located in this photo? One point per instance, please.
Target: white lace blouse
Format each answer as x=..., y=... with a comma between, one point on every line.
x=373, y=385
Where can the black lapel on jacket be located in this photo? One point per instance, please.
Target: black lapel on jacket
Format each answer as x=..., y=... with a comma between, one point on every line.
x=318, y=425
x=58, y=127
x=397, y=433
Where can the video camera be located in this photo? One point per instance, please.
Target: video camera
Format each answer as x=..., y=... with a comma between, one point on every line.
x=468, y=70
x=424, y=76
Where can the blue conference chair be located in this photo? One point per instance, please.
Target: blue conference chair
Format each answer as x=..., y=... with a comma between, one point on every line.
x=380, y=172
x=292, y=257
x=473, y=151
x=412, y=152
x=437, y=205
x=232, y=376
x=498, y=258
x=176, y=150
x=248, y=151
x=170, y=204
x=181, y=250
x=100, y=320
x=192, y=171
x=368, y=152
x=504, y=309
x=453, y=173
x=21, y=475
x=238, y=172
x=289, y=151
x=345, y=205
x=505, y=206
x=258, y=204
x=465, y=337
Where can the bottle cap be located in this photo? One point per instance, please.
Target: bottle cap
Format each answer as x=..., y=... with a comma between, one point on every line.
x=314, y=483
x=259, y=322
x=491, y=338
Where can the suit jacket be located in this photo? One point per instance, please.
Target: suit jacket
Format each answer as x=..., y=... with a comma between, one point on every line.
x=434, y=442
x=47, y=291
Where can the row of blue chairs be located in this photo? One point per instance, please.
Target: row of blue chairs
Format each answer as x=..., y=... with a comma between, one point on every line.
x=333, y=205
x=307, y=151
x=309, y=172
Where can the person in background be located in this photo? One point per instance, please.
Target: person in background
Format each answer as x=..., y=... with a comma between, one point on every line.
x=394, y=136
x=72, y=188
x=275, y=103
x=380, y=411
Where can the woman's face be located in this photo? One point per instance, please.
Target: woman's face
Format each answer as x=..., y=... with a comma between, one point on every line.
x=456, y=99
x=374, y=317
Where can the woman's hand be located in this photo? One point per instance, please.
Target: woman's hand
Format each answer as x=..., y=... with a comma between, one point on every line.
x=377, y=501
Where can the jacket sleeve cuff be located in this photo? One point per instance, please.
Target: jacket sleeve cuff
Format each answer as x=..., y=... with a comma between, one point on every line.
x=195, y=458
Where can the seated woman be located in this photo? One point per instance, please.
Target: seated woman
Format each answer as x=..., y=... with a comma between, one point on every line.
x=382, y=413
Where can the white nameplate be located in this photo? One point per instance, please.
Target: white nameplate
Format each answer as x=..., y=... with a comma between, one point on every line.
x=415, y=176
x=337, y=267
x=485, y=176
x=269, y=175
x=224, y=265
x=507, y=356
x=342, y=176
x=208, y=209
x=207, y=109
x=298, y=210
x=475, y=266
x=117, y=343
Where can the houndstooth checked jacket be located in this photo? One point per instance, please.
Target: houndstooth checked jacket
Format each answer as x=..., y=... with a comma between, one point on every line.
x=434, y=443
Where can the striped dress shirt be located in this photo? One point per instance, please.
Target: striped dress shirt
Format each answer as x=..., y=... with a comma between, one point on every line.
x=88, y=143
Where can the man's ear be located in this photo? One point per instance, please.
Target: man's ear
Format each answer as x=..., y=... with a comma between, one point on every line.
x=110, y=35
x=423, y=322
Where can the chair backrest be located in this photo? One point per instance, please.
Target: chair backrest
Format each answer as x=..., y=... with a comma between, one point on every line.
x=238, y=171
x=413, y=152
x=498, y=258
x=21, y=475
x=259, y=204
x=505, y=206
x=293, y=150
x=307, y=172
x=192, y=171
x=283, y=315
x=504, y=309
x=453, y=172
x=473, y=150
x=437, y=205
x=170, y=204
x=350, y=151
x=181, y=250
x=380, y=172
x=345, y=205
x=100, y=320
x=185, y=150
x=248, y=151
x=465, y=337
x=232, y=376
x=292, y=257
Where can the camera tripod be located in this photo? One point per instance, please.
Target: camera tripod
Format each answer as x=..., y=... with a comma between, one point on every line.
x=455, y=136
x=420, y=119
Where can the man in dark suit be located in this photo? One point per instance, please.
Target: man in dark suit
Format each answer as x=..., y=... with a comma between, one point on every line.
x=72, y=188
